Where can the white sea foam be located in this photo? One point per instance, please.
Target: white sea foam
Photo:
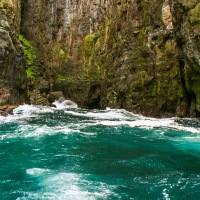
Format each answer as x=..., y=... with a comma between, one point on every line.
x=24, y=109
x=46, y=130
x=27, y=110
x=28, y=131
x=151, y=123
x=74, y=186
x=2, y=118
x=37, y=171
x=7, y=119
x=165, y=194
x=109, y=117
x=111, y=114
x=88, y=133
x=66, y=186
x=60, y=104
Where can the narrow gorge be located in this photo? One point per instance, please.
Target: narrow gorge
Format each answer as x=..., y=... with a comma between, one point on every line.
x=142, y=56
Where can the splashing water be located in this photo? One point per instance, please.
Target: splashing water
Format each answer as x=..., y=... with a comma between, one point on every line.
x=62, y=103
x=73, y=153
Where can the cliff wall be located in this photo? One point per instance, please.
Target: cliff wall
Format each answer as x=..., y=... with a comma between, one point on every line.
x=12, y=60
x=186, y=19
x=138, y=55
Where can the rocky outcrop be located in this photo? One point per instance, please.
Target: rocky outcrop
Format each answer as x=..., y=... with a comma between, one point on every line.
x=186, y=19
x=137, y=58
x=138, y=55
x=12, y=61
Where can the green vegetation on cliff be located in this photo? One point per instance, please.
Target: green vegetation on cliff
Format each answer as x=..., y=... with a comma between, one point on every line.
x=89, y=43
x=29, y=53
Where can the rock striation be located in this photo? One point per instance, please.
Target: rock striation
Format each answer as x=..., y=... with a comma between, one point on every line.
x=138, y=55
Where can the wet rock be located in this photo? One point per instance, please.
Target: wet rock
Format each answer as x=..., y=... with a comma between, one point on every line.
x=6, y=110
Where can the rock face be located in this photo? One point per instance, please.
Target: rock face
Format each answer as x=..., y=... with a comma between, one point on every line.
x=138, y=55
x=186, y=19
x=12, y=61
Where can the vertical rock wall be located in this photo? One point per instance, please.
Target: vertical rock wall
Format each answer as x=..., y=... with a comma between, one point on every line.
x=136, y=55
x=12, y=61
x=58, y=28
x=186, y=19
x=139, y=55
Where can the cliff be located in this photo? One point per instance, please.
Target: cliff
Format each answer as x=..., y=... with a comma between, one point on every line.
x=138, y=55
x=12, y=60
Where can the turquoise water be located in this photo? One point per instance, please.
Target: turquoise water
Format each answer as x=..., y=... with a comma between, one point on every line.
x=49, y=153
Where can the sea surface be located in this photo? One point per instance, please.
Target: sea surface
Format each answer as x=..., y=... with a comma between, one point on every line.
x=72, y=153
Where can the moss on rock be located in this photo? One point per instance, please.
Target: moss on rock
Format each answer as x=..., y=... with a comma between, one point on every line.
x=89, y=43
x=194, y=14
x=29, y=54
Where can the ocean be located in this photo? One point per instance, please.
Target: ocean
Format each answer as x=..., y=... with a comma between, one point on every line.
x=71, y=153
